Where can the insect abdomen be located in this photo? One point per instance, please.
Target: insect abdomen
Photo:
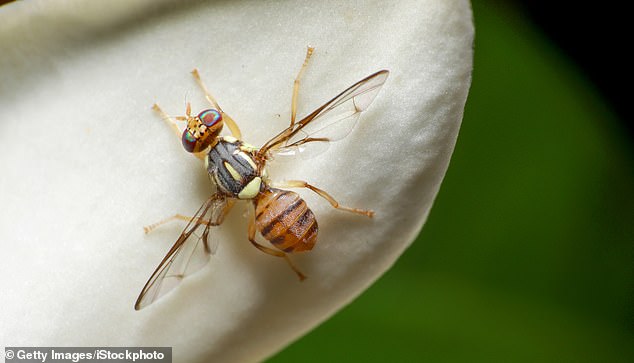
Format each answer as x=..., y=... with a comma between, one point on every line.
x=284, y=219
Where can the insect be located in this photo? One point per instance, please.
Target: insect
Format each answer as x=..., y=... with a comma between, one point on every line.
x=239, y=172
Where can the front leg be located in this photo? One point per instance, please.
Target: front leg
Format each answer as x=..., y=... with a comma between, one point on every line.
x=172, y=123
x=231, y=124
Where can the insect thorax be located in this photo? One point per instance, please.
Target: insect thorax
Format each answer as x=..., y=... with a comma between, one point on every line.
x=231, y=166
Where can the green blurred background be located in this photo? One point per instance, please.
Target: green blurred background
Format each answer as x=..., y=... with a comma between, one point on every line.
x=528, y=254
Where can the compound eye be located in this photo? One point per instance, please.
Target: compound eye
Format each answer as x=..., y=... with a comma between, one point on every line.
x=210, y=117
x=190, y=143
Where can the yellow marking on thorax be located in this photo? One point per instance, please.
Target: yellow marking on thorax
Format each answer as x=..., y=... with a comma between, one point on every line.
x=249, y=160
x=234, y=173
x=251, y=190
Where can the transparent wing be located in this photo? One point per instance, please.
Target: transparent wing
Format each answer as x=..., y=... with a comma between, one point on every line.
x=189, y=253
x=331, y=122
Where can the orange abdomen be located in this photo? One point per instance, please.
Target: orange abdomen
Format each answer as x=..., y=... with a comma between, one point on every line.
x=284, y=219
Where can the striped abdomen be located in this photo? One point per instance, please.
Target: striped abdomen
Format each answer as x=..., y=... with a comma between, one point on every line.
x=283, y=218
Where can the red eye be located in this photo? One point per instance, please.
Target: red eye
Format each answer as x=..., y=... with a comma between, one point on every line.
x=210, y=117
x=189, y=141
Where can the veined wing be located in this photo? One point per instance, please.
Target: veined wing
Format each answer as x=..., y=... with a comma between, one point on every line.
x=187, y=255
x=331, y=122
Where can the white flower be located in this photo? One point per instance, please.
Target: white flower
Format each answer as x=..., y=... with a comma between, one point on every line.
x=86, y=163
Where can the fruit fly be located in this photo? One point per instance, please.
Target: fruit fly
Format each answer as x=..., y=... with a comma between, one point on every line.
x=238, y=171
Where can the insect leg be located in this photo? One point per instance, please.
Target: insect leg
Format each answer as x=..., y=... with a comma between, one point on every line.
x=153, y=226
x=323, y=194
x=167, y=119
x=170, y=121
x=309, y=52
x=149, y=228
x=270, y=251
x=233, y=126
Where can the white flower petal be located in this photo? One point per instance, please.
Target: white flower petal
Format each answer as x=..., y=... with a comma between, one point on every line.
x=85, y=163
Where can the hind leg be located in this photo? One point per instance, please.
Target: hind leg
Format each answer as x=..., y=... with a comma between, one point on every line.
x=271, y=251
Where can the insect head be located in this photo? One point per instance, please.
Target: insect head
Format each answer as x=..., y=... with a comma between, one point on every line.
x=202, y=131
